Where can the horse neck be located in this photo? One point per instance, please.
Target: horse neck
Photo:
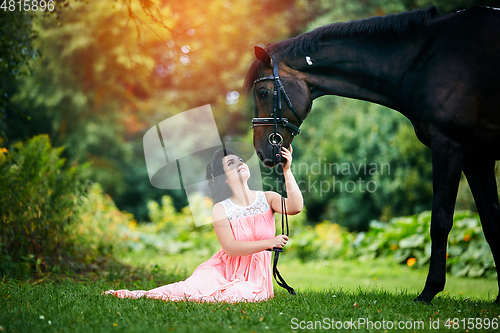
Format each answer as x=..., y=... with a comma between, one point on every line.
x=369, y=68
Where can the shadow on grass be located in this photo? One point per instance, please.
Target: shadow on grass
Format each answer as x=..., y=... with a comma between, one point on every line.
x=108, y=270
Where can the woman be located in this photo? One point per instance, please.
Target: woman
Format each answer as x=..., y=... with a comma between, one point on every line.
x=243, y=221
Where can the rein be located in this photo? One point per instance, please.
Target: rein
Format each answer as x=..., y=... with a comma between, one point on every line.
x=284, y=221
x=276, y=141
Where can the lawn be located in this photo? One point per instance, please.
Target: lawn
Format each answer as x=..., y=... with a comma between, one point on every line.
x=378, y=275
x=330, y=294
x=318, y=275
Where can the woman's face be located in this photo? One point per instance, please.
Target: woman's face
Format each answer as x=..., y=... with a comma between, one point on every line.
x=236, y=169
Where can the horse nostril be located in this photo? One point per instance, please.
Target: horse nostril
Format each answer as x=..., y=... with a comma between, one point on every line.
x=268, y=163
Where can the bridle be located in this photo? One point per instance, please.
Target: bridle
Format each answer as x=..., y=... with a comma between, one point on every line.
x=276, y=140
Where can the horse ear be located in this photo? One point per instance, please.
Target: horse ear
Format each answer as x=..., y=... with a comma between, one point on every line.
x=262, y=55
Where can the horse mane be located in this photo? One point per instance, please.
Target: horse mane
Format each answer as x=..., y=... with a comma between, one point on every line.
x=392, y=23
x=309, y=41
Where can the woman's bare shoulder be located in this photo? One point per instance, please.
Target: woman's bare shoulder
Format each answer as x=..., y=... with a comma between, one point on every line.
x=218, y=212
x=271, y=196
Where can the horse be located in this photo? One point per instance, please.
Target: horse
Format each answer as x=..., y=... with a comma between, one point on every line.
x=441, y=71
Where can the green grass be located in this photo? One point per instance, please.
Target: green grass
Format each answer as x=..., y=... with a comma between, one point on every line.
x=381, y=274
x=377, y=275
x=330, y=290
x=80, y=307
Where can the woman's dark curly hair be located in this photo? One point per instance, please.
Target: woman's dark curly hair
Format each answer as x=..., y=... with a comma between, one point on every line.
x=216, y=177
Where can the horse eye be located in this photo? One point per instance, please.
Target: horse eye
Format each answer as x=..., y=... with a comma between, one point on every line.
x=263, y=94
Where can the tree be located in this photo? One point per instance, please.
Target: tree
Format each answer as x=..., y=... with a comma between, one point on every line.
x=16, y=52
x=359, y=161
x=110, y=72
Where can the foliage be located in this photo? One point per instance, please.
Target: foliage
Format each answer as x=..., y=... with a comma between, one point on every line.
x=109, y=73
x=103, y=81
x=38, y=199
x=324, y=240
x=16, y=53
x=100, y=237
x=171, y=232
x=98, y=232
x=408, y=241
x=368, y=157
x=47, y=224
x=50, y=219
x=405, y=240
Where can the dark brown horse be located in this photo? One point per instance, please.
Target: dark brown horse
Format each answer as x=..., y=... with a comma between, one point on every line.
x=440, y=71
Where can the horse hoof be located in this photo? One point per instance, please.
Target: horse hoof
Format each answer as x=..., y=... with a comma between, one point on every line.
x=421, y=300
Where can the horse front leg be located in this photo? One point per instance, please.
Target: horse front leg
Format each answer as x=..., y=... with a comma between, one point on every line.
x=481, y=177
x=447, y=159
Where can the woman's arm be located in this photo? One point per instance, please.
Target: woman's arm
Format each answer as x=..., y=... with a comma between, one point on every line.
x=294, y=201
x=234, y=248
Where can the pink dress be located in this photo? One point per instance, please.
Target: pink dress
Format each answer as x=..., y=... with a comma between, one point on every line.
x=223, y=278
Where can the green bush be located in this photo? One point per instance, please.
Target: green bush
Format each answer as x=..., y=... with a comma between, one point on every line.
x=326, y=240
x=404, y=239
x=171, y=232
x=407, y=240
x=361, y=144
x=99, y=231
x=38, y=196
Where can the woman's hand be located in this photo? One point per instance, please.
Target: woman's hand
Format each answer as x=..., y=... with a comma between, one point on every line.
x=278, y=241
x=287, y=155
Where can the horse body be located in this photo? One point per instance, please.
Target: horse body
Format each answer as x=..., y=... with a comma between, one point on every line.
x=454, y=84
x=441, y=71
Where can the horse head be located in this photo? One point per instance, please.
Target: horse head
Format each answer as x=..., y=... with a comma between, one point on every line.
x=282, y=101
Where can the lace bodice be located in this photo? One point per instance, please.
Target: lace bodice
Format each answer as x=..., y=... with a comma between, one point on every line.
x=235, y=212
